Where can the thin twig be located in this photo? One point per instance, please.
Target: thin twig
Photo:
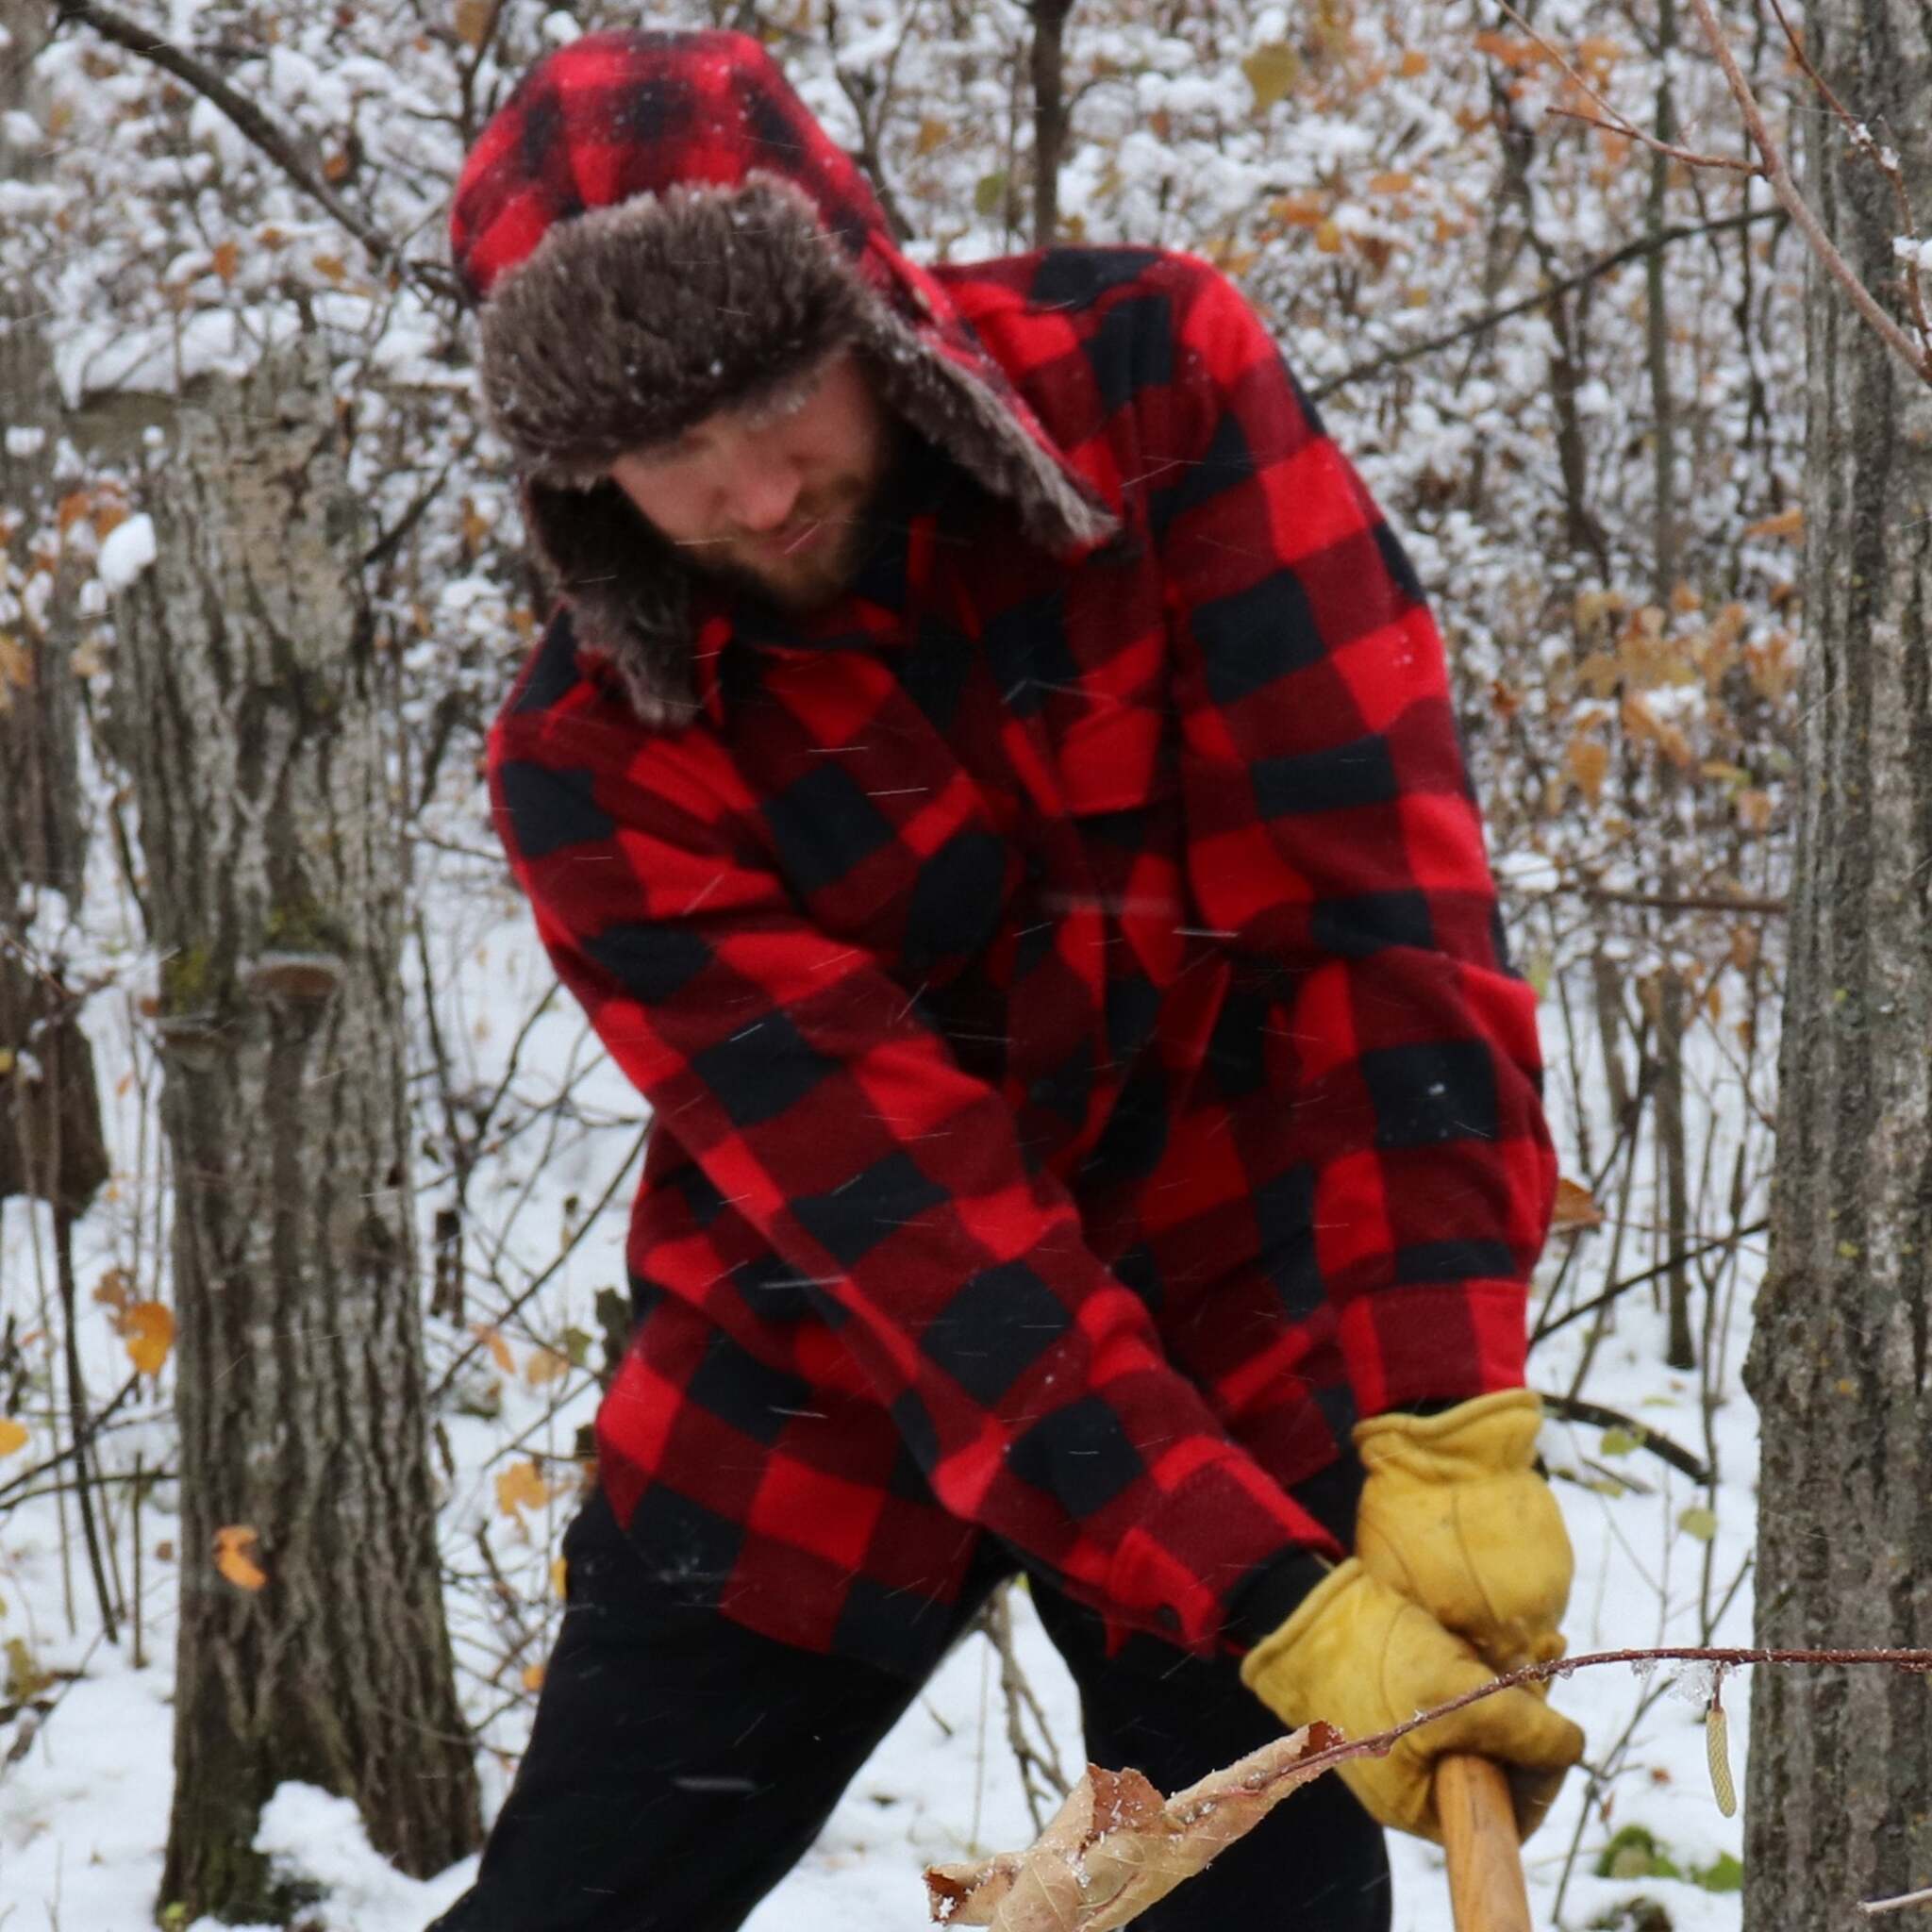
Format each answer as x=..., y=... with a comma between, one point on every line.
x=1619, y=123
x=1881, y=158
x=69, y=1678
x=1545, y=1328
x=1570, y=1410
x=1489, y=318
x=1873, y=1906
x=1692, y=157
x=1917, y=1661
x=1916, y=358
x=94, y=1427
x=517, y=1302
x=77, y=1405
x=252, y=125
x=135, y=1480
x=1556, y=54
x=1688, y=902
x=392, y=538
x=1039, y=1773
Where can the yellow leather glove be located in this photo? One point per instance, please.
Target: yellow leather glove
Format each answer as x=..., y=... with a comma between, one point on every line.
x=1366, y=1659
x=1454, y=1515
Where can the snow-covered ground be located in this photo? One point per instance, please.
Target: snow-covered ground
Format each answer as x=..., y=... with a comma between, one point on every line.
x=84, y=1798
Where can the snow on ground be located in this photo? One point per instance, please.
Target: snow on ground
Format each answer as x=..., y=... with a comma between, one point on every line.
x=83, y=1805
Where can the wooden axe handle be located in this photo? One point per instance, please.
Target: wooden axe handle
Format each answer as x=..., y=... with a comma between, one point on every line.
x=1486, y=1888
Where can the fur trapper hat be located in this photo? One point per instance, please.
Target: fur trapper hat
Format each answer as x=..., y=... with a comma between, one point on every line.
x=655, y=227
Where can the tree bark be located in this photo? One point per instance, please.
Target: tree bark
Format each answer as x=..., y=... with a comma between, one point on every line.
x=1839, y=1789
x=246, y=712
x=1046, y=63
x=51, y=1144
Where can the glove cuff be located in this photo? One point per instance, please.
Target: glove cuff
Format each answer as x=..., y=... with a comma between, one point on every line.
x=1272, y=1595
x=1273, y=1648
x=1488, y=1435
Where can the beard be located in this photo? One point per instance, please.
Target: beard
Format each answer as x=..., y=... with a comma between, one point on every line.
x=812, y=562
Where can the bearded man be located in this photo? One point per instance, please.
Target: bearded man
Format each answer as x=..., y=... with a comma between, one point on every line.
x=989, y=778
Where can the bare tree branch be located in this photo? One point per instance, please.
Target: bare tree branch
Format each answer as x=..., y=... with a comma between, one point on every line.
x=1692, y=157
x=1660, y=1445
x=1873, y=1906
x=274, y=141
x=1547, y=1326
x=1489, y=318
x=1616, y=122
x=1918, y=1663
x=1887, y=164
x=1916, y=358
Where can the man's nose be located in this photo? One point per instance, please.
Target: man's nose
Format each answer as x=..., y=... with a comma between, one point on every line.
x=761, y=495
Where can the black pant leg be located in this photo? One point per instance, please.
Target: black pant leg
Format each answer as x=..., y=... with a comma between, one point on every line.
x=1316, y=1863
x=679, y=1766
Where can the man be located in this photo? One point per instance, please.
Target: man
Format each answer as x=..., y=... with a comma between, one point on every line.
x=990, y=780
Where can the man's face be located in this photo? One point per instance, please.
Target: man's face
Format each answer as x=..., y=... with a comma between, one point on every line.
x=780, y=501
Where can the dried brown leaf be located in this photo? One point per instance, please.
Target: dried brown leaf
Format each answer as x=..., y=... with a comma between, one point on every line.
x=1588, y=763
x=518, y=1488
x=1115, y=1848
x=1271, y=72
x=233, y=1544
x=148, y=1329
x=1576, y=1208
x=498, y=1348
x=545, y=1365
x=1787, y=522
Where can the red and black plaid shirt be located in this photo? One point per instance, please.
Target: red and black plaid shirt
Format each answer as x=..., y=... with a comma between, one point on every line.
x=1084, y=1071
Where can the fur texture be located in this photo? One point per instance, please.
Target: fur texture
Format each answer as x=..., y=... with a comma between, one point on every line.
x=629, y=323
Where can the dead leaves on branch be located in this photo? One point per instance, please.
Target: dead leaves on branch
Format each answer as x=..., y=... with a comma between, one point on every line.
x=1576, y=1208
x=147, y=1327
x=1117, y=1847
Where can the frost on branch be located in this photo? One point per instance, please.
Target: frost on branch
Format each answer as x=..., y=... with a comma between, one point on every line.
x=1116, y=1847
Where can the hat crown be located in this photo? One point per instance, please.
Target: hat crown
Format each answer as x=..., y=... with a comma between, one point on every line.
x=619, y=114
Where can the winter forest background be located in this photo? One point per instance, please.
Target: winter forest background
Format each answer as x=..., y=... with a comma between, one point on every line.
x=303, y=1160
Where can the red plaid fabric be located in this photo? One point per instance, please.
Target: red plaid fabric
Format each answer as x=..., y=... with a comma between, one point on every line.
x=1084, y=1069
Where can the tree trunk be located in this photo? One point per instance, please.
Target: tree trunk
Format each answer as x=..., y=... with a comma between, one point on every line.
x=1841, y=1775
x=51, y=1144
x=1047, y=62
x=246, y=712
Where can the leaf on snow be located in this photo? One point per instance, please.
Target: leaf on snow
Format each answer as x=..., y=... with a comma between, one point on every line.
x=1116, y=1847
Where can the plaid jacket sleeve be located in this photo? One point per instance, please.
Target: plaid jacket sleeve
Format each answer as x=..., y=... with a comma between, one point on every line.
x=1334, y=838
x=1030, y=1383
